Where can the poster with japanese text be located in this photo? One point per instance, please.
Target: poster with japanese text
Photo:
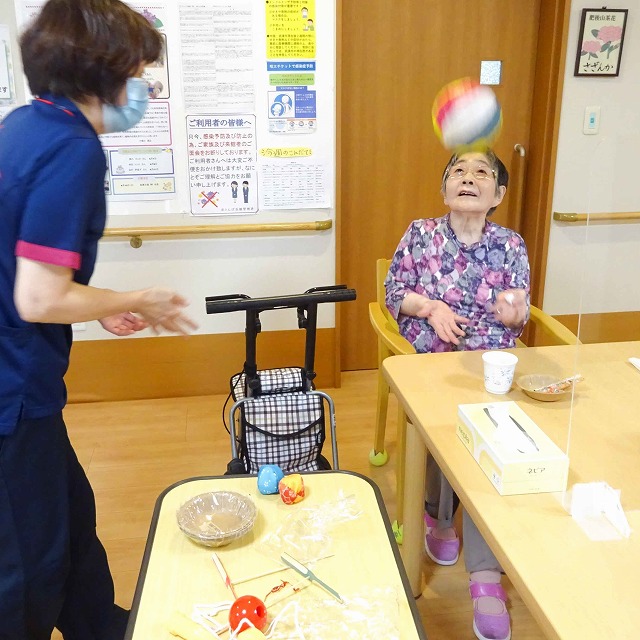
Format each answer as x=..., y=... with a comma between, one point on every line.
x=222, y=164
x=291, y=29
x=216, y=40
x=222, y=62
x=7, y=89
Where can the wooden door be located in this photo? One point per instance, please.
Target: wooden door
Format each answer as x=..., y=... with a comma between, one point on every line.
x=393, y=59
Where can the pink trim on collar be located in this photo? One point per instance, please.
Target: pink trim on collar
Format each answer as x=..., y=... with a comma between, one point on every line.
x=57, y=106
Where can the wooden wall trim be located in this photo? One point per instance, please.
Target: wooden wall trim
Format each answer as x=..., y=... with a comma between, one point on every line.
x=621, y=326
x=169, y=367
x=545, y=125
x=591, y=328
x=338, y=197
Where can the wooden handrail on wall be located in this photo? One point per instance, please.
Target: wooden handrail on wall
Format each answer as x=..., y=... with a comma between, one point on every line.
x=137, y=233
x=583, y=218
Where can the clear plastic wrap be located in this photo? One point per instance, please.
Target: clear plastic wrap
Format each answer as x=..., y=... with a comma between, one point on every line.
x=369, y=614
x=305, y=533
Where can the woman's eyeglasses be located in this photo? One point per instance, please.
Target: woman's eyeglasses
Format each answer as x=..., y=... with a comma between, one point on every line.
x=458, y=172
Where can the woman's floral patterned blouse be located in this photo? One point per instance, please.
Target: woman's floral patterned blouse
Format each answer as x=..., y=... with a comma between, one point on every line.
x=431, y=261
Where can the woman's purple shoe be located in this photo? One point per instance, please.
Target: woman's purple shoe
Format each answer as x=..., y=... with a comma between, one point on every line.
x=489, y=626
x=444, y=552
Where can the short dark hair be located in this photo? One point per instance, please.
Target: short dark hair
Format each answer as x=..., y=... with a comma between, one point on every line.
x=82, y=48
x=501, y=172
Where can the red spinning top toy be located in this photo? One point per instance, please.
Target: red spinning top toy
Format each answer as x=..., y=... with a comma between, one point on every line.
x=248, y=608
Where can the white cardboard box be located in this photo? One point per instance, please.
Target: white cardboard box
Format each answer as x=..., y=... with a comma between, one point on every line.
x=512, y=467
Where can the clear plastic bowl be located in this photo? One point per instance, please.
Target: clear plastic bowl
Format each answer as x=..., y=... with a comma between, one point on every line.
x=217, y=518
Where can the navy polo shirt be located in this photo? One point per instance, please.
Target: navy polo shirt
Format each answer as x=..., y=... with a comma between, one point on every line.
x=52, y=209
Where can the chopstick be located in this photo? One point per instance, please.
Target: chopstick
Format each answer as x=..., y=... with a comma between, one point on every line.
x=276, y=570
x=305, y=572
x=223, y=574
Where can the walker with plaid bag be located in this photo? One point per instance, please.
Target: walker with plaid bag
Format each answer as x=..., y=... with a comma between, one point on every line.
x=278, y=417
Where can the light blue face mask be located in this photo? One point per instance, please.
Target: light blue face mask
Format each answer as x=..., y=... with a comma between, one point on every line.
x=116, y=118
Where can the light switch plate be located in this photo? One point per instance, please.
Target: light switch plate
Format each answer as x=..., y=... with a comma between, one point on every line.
x=591, y=124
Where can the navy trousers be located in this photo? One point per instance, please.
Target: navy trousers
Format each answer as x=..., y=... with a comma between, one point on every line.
x=53, y=568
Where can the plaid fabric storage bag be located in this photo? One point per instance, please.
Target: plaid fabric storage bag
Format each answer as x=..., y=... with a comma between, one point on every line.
x=282, y=380
x=284, y=425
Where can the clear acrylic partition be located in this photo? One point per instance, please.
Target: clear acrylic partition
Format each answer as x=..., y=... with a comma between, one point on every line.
x=601, y=266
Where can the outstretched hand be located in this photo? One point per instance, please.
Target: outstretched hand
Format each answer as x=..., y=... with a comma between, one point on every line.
x=445, y=322
x=163, y=311
x=177, y=322
x=123, y=324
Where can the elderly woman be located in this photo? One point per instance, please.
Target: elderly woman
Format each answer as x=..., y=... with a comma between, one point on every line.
x=461, y=282
x=83, y=60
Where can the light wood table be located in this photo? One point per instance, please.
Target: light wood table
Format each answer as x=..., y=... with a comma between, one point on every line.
x=177, y=573
x=573, y=586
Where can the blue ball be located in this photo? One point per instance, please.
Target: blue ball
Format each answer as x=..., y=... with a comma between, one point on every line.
x=269, y=475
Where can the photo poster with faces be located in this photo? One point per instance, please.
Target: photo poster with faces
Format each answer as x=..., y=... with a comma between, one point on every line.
x=235, y=87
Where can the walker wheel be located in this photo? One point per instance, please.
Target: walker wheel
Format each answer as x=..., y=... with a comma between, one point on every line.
x=378, y=459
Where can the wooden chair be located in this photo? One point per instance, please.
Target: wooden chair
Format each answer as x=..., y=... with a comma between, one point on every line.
x=391, y=343
x=553, y=328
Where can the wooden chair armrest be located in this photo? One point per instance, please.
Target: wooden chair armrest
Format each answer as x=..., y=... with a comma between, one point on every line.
x=548, y=324
x=390, y=337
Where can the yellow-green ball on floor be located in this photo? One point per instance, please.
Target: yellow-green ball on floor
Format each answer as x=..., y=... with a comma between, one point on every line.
x=378, y=459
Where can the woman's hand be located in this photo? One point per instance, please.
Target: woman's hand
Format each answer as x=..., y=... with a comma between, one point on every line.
x=123, y=324
x=162, y=309
x=510, y=307
x=437, y=313
x=445, y=322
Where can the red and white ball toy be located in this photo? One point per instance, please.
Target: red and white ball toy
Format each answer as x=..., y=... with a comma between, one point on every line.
x=466, y=116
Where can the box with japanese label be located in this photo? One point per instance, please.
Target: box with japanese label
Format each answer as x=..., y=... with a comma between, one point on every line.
x=515, y=454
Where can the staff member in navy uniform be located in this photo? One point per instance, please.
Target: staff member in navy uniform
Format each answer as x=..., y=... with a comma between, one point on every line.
x=83, y=59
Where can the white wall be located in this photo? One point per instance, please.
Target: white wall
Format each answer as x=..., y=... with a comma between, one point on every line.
x=258, y=265
x=595, y=268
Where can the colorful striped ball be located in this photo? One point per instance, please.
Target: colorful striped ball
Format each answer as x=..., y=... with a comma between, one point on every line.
x=466, y=116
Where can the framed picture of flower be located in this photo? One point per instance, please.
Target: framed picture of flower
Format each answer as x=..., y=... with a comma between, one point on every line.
x=600, y=42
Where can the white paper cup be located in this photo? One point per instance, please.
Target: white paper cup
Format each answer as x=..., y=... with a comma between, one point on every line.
x=499, y=368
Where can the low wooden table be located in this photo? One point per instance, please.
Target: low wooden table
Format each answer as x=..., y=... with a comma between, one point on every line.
x=576, y=588
x=176, y=573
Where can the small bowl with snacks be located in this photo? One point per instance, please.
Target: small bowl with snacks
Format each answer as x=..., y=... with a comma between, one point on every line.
x=547, y=388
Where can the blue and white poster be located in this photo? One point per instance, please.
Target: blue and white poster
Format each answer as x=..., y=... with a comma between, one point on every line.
x=292, y=109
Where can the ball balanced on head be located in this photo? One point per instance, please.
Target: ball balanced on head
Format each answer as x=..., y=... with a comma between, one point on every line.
x=466, y=116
